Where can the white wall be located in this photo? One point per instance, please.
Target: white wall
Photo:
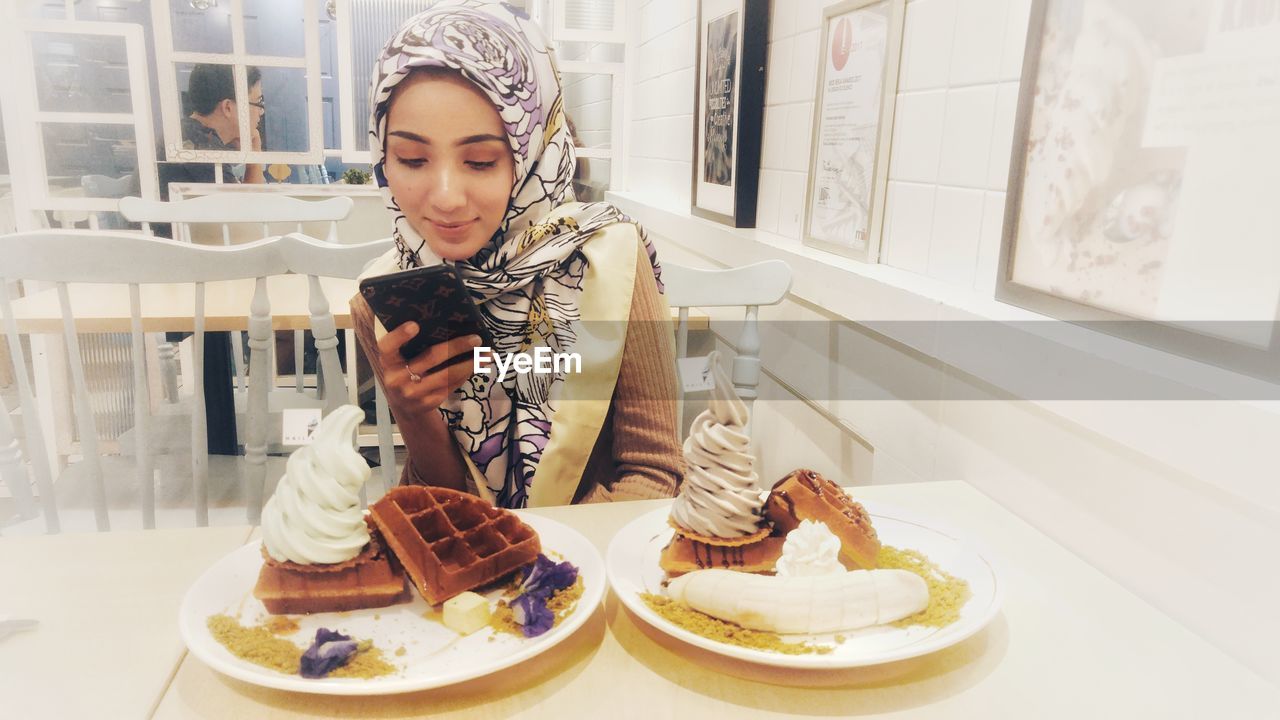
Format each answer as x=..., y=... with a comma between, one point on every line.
x=1178, y=501
x=661, y=36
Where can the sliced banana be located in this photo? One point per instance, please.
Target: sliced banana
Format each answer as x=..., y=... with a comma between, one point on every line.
x=812, y=604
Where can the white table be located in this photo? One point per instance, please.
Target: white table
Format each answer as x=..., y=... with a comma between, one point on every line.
x=107, y=604
x=1069, y=643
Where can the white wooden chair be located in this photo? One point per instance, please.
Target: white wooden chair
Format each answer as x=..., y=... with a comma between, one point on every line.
x=135, y=260
x=235, y=208
x=104, y=186
x=749, y=286
x=226, y=210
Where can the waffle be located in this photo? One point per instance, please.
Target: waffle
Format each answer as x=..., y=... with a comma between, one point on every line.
x=806, y=495
x=450, y=542
x=370, y=579
x=752, y=553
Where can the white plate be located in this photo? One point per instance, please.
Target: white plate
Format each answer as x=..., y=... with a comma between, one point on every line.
x=434, y=655
x=632, y=563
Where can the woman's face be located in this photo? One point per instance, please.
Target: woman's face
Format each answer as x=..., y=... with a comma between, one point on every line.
x=447, y=163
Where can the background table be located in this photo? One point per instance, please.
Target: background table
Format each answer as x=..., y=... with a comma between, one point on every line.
x=170, y=307
x=1069, y=643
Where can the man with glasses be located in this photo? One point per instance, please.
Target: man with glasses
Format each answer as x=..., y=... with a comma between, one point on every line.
x=214, y=122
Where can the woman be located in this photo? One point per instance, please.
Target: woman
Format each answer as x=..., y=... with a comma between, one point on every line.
x=473, y=153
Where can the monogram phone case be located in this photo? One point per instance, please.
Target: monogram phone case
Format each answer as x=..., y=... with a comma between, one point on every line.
x=434, y=297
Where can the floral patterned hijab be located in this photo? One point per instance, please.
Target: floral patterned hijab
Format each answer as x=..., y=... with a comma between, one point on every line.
x=529, y=278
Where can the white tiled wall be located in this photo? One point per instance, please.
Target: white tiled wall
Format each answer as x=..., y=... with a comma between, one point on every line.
x=952, y=133
x=957, y=99
x=661, y=36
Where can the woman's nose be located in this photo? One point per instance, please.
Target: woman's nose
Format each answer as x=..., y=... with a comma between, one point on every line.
x=447, y=194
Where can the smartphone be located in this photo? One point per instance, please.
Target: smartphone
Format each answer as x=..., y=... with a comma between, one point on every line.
x=434, y=297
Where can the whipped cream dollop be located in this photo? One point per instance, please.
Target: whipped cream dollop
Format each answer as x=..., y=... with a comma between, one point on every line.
x=314, y=516
x=811, y=549
x=719, y=497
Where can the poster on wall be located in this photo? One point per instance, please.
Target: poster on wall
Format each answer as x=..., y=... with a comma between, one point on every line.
x=1142, y=185
x=721, y=81
x=853, y=110
x=732, y=36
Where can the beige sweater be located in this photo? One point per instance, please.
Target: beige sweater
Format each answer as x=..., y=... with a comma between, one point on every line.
x=637, y=454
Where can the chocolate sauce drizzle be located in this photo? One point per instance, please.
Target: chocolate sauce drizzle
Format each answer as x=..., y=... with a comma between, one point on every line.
x=704, y=555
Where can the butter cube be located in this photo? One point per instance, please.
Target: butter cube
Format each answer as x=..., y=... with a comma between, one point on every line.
x=466, y=613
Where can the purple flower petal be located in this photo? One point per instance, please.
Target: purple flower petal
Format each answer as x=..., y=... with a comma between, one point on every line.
x=532, y=614
x=542, y=579
x=545, y=577
x=330, y=651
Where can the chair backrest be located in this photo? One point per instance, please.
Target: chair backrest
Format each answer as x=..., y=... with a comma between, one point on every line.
x=131, y=263
x=235, y=208
x=749, y=286
x=227, y=209
x=104, y=186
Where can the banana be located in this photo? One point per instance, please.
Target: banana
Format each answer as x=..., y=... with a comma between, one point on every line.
x=810, y=604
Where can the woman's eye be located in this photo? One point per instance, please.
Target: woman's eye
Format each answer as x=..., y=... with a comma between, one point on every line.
x=412, y=162
x=478, y=165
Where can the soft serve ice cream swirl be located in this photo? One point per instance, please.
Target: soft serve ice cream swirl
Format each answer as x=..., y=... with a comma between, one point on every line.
x=810, y=549
x=720, y=497
x=314, y=516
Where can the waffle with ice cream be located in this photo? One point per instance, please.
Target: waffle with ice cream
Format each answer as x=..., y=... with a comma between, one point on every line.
x=717, y=516
x=449, y=541
x=318, y=552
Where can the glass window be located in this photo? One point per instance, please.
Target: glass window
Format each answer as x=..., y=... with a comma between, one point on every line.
x=591, y=52
x=81, y=73
x=200, y=26
x=105, y=156
x=284, y=95
x=274, y=27
x=277, y=100
x=588, y=14
x=371, y=23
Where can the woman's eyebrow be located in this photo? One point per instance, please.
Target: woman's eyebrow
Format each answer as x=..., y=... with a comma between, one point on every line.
x=468, y=140
x=409, y=136
x=472, y=139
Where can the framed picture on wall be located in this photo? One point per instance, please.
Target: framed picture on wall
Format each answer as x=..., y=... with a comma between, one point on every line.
x=729, y=102
x=861, y=44
x=1141, y=196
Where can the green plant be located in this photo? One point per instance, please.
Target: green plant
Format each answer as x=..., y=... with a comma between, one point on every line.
x=356, y=176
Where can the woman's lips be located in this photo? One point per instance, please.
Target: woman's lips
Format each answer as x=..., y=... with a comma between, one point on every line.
x=452, y=230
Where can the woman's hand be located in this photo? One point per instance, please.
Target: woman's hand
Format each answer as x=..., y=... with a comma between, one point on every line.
x=411, y=386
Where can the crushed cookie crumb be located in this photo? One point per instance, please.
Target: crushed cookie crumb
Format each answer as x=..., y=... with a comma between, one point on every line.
x=561, y=603
x=258, y=645
x=255, y=644
x=281, y=625
x=947, y=593
x=702, y=624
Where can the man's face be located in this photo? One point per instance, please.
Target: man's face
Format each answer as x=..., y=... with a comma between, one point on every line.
x=228, y=117
x=257, y=106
